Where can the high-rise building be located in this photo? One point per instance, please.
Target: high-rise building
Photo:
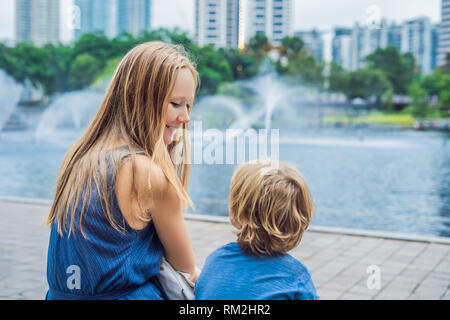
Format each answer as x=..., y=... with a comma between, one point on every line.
x=313, y=41
x=217, y=22
x=395, y=36
x=341, y=47
x=133, y=16
x=435, y=28
x=366, y=40
x=232, y=23
x=96, y=16
x=444, y=32
x=417, y=36
x=417, y=39
x=272, y=18
x=37, y=21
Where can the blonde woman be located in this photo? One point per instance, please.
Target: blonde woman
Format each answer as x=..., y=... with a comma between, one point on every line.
x=122, y=187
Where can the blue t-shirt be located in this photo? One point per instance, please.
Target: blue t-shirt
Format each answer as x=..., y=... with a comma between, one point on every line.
x=229, y=274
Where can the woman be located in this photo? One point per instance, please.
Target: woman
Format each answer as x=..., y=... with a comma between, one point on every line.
x=122, y=186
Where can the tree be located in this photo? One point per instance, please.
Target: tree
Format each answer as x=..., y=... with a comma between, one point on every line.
x=419, y=99
x=387, y=99
x=26, y=61
x=398, y=68
x=95, y=44
x=213, y=69
x=444, y=92
x=83, y=71
x=60, y=61
x=291, y=46
x=437, y=84
x=366, y=83
x=337, y=78
x=306, y=69
x=242, y=65
x=258, y=46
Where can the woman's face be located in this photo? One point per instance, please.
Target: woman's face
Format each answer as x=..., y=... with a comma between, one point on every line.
x=179, y=104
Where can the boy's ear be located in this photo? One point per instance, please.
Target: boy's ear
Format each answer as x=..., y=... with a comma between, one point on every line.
x=232, y=220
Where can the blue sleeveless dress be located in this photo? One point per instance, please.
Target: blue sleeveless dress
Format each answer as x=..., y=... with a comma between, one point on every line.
x=108, y=264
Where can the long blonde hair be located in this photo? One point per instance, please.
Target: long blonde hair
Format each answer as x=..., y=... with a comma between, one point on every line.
x=134, y=109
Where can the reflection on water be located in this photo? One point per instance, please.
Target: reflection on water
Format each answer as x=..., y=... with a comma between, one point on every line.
x=395, y=181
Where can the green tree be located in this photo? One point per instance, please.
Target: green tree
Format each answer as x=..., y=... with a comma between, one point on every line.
x=419, y=99
x=60, y=61
x=291, y=46
x=95, y=44
x=444, y=91
x=306, y=69
x=399, y=68
x=365, y=83
x=242, y=65
x=337, y=78
x=437, y=84
x=430, y=82
x=83, y=71
x=387, y=99
x=26, y=61
x=258, y=46
x=213, y=69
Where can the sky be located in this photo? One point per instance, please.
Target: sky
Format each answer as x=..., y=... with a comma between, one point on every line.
x=308, y=14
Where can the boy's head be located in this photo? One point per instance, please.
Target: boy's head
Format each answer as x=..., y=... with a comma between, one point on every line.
x=271, y=208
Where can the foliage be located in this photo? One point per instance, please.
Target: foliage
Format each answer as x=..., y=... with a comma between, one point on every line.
x=93, y=58
x=437, y=84
x=419, y=100
x=258, y=47
x=398, y=68
x=299, y=63
x=366, y=83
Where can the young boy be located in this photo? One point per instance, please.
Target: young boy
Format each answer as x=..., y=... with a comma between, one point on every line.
x=270, y=210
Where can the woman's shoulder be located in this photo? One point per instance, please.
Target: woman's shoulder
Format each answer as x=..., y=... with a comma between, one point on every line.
x=143, y=170
x=139, y=183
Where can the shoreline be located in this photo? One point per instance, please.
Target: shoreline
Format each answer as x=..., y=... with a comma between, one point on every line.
x=317, y=229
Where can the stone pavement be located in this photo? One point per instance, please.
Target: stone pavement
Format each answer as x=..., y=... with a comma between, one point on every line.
x=338, y=262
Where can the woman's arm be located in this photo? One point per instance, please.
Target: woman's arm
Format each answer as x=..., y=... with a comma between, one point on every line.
x=165, y=209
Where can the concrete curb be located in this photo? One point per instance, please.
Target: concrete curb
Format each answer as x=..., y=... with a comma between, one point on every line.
x=319, y=229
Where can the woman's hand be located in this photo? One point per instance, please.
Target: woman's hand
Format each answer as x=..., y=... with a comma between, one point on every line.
x=194, y=276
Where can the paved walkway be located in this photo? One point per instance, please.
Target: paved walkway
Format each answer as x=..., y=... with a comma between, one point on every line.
x=338, y=262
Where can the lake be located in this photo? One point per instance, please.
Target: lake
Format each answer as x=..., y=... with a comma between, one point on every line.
x=373, y=179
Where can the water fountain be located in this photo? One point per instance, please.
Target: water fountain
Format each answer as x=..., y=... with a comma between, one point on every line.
x=9, y=97
x=267, y=94
x=67, y=117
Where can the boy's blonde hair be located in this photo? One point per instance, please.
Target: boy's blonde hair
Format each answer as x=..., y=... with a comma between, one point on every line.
x=271, y=208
